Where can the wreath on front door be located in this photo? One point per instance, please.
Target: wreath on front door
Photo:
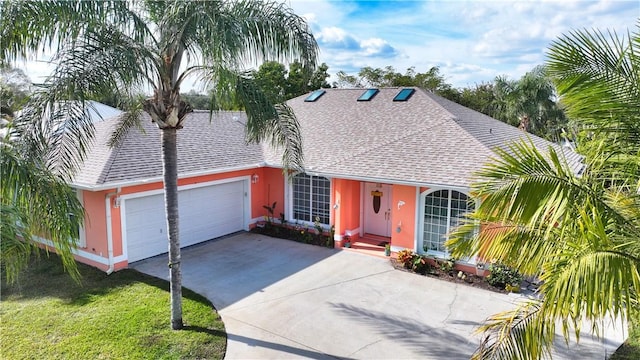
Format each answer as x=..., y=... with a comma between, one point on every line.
x=376, y=200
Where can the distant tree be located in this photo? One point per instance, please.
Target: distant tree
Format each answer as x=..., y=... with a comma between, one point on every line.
x=347, y=81
x=431, y=80
x=271, y=77
x=530, y=103
x=197, y=101
x=15, y=87
x=280, y=85
x=298, y=80
x=480, y=98
x=319, y=78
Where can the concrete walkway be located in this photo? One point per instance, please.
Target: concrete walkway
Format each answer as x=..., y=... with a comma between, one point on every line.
x=280, y=299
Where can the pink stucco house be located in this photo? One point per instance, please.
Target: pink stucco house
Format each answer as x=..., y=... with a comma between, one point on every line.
x=392, y=163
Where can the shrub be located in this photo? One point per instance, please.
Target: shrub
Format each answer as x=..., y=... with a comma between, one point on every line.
x=419, y=264
x=270, y=210
x=446, y=265
x=405, y=257
x=501, y=275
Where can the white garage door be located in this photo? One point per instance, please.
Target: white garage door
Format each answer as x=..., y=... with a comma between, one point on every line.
x=205, y=213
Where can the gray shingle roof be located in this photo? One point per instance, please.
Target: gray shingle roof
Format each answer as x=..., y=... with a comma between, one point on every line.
x=426, y=140
x=203, y=146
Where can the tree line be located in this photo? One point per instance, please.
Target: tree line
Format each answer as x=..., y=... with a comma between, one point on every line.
x=531, y=102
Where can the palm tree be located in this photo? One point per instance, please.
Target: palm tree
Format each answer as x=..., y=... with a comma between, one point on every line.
x=529, y=103
x=115, y=47
x=579, y=233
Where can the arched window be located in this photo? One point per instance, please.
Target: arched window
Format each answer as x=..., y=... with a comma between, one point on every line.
x=311, y=198
x=443, y=211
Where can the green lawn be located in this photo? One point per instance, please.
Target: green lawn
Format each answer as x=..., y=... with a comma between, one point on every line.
x=122, y=315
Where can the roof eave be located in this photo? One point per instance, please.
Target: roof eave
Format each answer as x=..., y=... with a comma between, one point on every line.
x=386, y=180
x=151, y=180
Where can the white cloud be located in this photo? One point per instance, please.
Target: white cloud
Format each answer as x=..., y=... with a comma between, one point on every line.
x=471, y=41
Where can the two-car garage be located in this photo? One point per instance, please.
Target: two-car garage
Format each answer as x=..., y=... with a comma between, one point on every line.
x=206, y=212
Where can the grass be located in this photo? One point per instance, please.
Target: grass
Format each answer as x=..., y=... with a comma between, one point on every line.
x=46, y=315
x=630, y=350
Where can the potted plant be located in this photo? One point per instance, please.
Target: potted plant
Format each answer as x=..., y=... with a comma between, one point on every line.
x=347, y=241
x=387, y=249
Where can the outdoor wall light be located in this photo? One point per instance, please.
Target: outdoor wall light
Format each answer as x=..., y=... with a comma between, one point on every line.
x=400, y=203
x=255, y=178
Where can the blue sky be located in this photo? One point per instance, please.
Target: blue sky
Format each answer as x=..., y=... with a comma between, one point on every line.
x=471, y=41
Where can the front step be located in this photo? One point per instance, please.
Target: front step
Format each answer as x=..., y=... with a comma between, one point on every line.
x=370, y=244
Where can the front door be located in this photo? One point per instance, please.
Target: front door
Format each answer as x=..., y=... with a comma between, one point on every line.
x=377, y=209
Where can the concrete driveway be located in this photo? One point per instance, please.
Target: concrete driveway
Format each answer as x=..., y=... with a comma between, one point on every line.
x=280, y=299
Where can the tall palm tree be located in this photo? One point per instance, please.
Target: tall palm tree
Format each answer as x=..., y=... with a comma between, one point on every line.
x=579, y=233
x=116, y=47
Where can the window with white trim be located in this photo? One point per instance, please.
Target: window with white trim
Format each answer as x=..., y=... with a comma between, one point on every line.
x=443, y=212
x=311, y=198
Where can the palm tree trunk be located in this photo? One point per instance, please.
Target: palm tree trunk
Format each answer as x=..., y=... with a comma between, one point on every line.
x=170, y=168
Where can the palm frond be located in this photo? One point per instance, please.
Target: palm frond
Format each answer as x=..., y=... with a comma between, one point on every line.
x=56, y=124
x=27, y=27
x=591, y=283
x=598, y=76
x=44, y=205
x=56, y=133
x=238, y=33
x=519, y=334
x=130, y=119
x=16, y=246
x=275, y=124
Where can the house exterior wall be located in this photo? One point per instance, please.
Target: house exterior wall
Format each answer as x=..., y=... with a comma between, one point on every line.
x=346, y=216
x=100, y=222
x=270, y=189
x=95, y=224
x=403, y=217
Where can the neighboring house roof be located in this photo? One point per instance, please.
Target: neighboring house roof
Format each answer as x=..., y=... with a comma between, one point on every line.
x=204, y=146
x=425, y=140
x=95, y=111
x=99, y=111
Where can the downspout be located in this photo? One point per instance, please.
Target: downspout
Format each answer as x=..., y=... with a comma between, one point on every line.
x=107, y=201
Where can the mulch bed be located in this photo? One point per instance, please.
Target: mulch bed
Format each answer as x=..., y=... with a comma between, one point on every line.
x=452, y=276
x=304, y=235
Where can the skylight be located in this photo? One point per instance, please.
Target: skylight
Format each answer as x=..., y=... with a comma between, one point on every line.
x=404, y=95
x=314, y=96
x=368, y=95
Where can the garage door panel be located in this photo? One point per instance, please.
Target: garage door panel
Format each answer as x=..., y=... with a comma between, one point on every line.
x=145, y=222
x=205, y=213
